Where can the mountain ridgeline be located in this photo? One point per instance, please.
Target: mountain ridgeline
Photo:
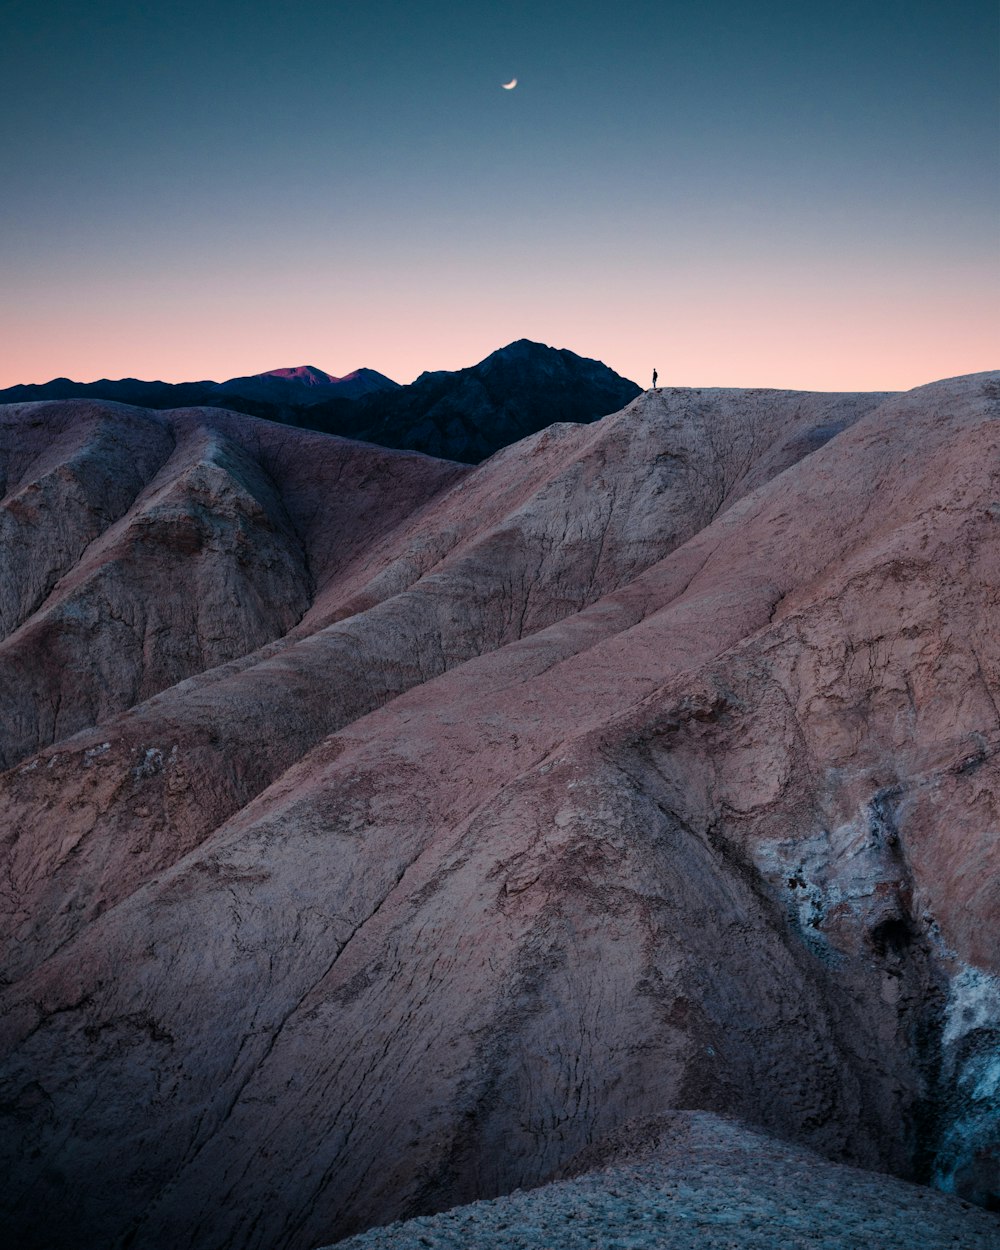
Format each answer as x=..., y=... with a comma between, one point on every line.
x=465, y=415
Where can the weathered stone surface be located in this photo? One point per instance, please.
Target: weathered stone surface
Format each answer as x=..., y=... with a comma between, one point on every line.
x=692, y=1178
x=146, y=547
x=66, y=474
x=528, y=539
x=648, y=765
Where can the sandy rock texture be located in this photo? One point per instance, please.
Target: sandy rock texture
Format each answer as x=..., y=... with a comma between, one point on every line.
x=692, y=1179
x=649, y=765
x=142, y=548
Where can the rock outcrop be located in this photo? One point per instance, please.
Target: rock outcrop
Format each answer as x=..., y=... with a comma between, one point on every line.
x=649, y=765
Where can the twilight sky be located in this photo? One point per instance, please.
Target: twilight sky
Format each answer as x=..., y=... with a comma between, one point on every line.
x=779, y=194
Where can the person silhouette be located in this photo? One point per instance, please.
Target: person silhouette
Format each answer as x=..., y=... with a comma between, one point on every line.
x=654, y=379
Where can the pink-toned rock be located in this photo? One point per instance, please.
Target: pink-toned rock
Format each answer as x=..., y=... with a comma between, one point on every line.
x=159, y=545
x=67, y=472
x=648, y=765
x=525, y=540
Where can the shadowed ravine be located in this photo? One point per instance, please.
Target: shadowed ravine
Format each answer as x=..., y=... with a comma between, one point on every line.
x=383, y=834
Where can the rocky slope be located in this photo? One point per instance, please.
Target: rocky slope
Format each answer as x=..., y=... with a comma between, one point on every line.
x=694, y=1179
x=142, y=548
x=649, y=765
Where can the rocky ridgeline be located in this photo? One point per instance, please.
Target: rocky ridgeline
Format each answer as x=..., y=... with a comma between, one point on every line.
x=382, y=832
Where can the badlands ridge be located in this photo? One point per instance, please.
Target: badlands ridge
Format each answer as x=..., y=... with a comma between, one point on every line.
x=383, y=834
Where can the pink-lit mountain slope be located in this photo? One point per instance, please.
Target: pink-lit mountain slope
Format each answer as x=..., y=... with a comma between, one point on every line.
x=307, y=374
x=380, y=833
x=305, y=384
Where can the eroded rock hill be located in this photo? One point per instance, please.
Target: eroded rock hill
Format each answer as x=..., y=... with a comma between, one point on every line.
x=426, y=824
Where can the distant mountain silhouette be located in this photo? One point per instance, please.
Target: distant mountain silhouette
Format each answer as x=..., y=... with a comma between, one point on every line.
x=463, y=415
x=305, y=385
x=122, y=390
x=470, y=414
x=308, y=374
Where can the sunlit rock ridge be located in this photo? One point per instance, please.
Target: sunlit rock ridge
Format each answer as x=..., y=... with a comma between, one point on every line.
x=383, y=834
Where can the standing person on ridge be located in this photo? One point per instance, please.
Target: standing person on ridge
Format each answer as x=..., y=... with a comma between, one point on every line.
x=654, y=379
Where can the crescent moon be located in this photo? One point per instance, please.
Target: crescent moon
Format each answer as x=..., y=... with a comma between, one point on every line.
x=509, y=86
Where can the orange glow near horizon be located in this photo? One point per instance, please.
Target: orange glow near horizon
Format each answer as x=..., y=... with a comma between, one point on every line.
x=777, y=196
x=836, y=336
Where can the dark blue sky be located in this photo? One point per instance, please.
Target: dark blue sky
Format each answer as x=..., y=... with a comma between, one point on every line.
x=783, y=194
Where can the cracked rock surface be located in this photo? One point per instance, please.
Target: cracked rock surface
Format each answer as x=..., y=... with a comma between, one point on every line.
x=380, y=833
